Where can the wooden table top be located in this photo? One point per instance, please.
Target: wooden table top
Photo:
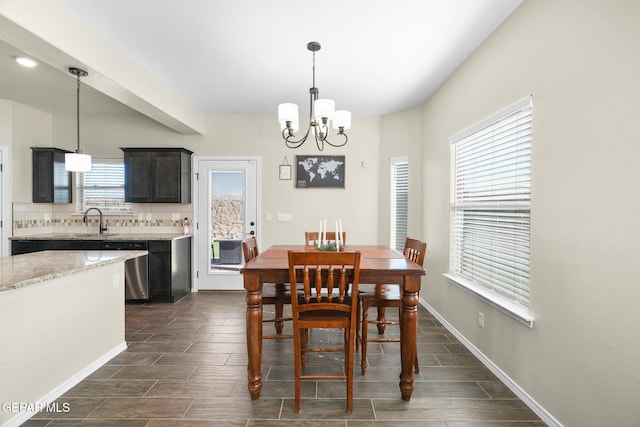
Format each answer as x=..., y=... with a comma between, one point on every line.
x=375, y=258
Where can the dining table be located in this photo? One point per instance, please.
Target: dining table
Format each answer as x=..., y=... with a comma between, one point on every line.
x=378, y=264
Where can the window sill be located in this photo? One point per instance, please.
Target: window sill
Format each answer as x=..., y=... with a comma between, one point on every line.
x=515, y=311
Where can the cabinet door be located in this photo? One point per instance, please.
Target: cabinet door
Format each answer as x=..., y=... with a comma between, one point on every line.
x=51, y=182
x=138, y=179
x=160, y=271
x=19, y=247
x=167, y=177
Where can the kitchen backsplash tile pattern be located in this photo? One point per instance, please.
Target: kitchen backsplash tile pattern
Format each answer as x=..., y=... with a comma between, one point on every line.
x=38, y=218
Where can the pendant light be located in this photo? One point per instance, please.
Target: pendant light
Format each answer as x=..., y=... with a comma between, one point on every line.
x=77, y=162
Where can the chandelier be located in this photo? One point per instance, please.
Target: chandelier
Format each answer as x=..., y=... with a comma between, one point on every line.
x=321, y=112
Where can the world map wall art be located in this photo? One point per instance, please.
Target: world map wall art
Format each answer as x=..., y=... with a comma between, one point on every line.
x=320, y=171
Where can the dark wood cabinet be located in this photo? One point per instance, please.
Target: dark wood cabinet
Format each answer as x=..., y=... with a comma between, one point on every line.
x=169, y=269
x=157, y=175
x=51, y=182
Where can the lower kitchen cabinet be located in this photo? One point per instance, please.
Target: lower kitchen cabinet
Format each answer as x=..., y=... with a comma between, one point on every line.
x=170, y=276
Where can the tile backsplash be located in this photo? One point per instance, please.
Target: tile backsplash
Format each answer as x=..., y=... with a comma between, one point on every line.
x=43, y=218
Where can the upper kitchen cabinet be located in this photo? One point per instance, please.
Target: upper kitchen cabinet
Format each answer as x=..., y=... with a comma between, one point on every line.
x=51, y=182
x=157, y=175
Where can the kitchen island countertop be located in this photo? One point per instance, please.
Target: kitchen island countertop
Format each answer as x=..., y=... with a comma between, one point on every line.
x=23, y=270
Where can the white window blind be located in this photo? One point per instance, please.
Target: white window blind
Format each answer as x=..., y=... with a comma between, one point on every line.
x=102, y=188
x=491, y=199
x=399, y=201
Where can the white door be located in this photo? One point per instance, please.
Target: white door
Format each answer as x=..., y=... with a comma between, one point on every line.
x=227, y=213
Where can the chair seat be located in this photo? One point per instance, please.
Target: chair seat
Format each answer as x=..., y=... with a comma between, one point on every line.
x=271, y=292
x=381, y=295
x=338, y=316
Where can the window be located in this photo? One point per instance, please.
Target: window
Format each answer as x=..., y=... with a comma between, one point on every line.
x=490, y=208
x=102, y=188
x=399, y=201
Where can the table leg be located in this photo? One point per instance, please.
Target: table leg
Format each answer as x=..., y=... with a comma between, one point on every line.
x=254, y=333
x=408, y=331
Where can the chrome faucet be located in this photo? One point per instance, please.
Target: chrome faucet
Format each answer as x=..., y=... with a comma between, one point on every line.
x=102, y=226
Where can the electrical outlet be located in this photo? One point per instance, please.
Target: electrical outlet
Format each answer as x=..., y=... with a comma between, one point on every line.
x=481, y=319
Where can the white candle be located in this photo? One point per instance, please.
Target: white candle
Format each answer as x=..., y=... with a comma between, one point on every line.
x=319, y=237
x=337, y=237
x=340, y=226
x=324, y=232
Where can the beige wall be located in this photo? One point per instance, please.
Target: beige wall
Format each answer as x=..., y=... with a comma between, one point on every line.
x=580, y=61
x=400, y=134
x=22, y=127
x=56, y=333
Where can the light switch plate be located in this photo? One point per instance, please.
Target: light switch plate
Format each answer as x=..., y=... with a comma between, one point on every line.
x=284, y=217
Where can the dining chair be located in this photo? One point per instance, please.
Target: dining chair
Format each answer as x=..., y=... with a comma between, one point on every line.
x=382, y=296
x=311, y=237
x=328, y=300
x=275, y=294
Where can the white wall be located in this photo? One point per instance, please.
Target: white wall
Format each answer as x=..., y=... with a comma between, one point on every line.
x=581, y=62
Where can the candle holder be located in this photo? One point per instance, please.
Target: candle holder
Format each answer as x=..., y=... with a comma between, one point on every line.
x=328, y=247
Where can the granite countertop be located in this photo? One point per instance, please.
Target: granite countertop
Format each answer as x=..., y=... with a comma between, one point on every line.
x=23, y=270
x=105, y=236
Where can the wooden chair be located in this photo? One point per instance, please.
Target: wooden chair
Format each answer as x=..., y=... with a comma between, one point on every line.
x=383, y=296
x=311, y=237
x=328, y=300
x=275, y=294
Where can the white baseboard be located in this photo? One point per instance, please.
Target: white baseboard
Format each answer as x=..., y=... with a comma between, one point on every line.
x=66, y=386
x=512, y=385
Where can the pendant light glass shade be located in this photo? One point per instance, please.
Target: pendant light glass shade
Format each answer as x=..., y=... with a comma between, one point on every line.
x=324, y=108
x=288, y=112
x=342, y=119
x=76, y=162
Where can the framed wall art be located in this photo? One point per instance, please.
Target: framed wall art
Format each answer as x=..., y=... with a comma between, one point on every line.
x=285, y=170
x=320, y=171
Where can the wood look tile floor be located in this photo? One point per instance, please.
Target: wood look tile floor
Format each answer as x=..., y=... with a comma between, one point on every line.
x=185, y=366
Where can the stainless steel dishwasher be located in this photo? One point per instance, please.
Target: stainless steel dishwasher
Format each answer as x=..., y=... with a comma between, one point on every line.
x=136, y=270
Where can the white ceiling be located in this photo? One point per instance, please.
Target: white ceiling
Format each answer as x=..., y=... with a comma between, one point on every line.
x=247, y=56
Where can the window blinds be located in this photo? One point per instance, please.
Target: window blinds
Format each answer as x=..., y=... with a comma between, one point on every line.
x=491, y=195
x=399, y=203
x=102, y=188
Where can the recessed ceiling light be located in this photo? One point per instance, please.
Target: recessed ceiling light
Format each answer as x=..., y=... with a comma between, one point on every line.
x=26, y=62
